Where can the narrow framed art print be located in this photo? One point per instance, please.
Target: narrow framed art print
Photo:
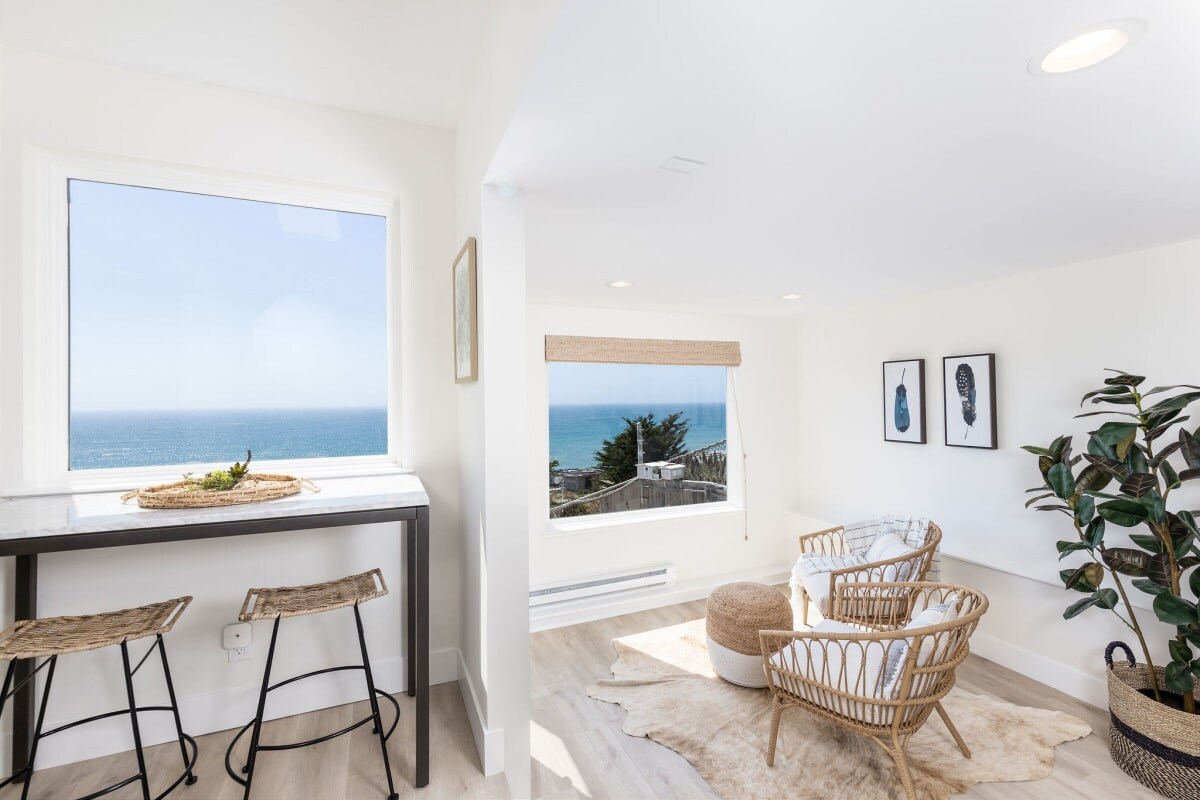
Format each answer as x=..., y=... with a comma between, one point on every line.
x=904, y=401
x=969, y=383
x=466, y=331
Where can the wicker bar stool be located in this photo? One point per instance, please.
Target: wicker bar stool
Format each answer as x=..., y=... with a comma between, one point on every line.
x=51, y=637
x=295, y=601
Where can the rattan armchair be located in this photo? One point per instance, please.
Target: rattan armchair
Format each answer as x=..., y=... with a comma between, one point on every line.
x=845, y=540
x=839, y=671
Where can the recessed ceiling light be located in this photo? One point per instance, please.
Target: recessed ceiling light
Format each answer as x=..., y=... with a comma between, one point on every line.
x=684, y=166
x=1088, y=48
x=791, y=296
x=620, y=284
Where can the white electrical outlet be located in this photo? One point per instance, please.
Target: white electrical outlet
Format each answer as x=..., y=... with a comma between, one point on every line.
x=235, y=639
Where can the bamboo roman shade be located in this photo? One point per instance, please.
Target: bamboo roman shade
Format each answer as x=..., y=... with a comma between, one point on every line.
x=609, y=350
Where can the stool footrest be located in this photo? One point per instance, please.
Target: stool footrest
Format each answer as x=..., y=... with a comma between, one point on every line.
x=187, y=768
x=294, y=745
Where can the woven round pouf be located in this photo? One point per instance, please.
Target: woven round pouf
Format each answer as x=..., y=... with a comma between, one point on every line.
x=736, y=613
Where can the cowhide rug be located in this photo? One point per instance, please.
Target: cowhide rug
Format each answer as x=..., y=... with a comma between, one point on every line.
x=663, y=679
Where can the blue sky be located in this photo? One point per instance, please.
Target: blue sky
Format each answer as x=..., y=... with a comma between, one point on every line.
x=605, y=384
x=188, y=301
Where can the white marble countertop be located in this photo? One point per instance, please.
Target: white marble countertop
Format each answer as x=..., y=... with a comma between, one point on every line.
x=67, y=514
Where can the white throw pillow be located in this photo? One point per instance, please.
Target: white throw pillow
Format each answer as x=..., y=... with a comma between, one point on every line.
x=886, y=547
x=812, y=572
x=946, y=611
x=852, y=667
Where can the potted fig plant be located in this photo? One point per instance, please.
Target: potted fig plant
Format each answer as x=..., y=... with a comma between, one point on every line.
x=1125, y=479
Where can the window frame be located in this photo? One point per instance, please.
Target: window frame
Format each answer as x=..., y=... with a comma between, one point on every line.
x=45, y=414
x=735, y=484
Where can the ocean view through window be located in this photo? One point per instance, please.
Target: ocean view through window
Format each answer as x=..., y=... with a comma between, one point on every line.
x=202, y=326
x=628, y=437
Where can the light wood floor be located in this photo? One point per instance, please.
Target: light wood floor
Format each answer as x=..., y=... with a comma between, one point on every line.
x=578, y=748
x=346, y=768
x=577, y=742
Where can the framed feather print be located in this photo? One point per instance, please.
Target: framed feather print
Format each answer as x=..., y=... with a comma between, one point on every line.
x=904, y=401
x=969, y=383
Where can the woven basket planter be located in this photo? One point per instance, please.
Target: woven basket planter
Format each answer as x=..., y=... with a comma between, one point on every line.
x=253, y=488
x=1155, y=744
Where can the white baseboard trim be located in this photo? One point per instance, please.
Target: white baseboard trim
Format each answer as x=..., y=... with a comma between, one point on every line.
x=488, y=741
x=1033, y=665
x=232, y=708
x=589, y=609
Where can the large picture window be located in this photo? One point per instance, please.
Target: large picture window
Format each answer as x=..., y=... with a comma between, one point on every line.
x=202, y=326
x=628, y=436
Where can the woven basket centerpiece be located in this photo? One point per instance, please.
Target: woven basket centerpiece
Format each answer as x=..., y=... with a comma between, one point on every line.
x=231, y=487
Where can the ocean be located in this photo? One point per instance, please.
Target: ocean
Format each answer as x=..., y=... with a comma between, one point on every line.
x=153, y=438
x=577, y=431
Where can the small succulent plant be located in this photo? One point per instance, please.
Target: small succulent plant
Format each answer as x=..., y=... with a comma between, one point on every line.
x=222, y=480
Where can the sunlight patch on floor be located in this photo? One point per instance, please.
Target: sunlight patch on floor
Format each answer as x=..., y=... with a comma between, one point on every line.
x=548, y=749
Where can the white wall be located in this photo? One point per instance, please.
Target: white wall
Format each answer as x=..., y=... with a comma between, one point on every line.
x=706, y=548
x=495, y=659
x=1053, y=333
x=57, y=103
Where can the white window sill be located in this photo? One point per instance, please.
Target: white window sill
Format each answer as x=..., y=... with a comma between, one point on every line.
x=556, y=527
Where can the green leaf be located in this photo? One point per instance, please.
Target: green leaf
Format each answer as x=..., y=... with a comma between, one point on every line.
x=1149, y=586
x=1192, y=634
x=1178, y=678
x=1188, y=521
x=1106, y=598
x=1158, y=431
x=1174, y=610
x=1033, y=500
x=1085, y=509
x=1125, y=513
x=1147, y=542
x=1123, y=379
x=1066, y=548
x=1061, y=480
x=1164, y=454
x=1155, y=508
x=1161, y=389
x=1094, y=533
x=1189, y=474
x=1128, y=561
x=1108, y=465
x=1078, y=607
x=1170, y=476
x=1179, y=651
x=1108, y=391
x=1092, y=479
x=1138, y=484
x=1098, y=448
x=1176, y=403
x=1037, y=451
x=1191, y=449
x=1136, y=461
x=1079, y=579
x=1194, y=582
x=1119, y=435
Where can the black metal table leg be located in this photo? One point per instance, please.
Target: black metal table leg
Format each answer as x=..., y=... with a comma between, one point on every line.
x=421, y=557
x=25, y=607
x=410, y=607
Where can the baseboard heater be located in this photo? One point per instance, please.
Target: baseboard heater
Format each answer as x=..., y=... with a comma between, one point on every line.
x=603, y=584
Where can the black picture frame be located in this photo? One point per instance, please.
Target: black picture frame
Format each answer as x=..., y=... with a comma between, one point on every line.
x=911, y=376
x=970, y=409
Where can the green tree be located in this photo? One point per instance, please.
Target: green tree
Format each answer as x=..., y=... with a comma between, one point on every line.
x=661, y=441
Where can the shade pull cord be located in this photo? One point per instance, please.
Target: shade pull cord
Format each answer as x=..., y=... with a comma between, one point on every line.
x=737, y=416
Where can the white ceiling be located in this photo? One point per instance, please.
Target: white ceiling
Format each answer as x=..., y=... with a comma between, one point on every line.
x=406, y=59
x=854, y=149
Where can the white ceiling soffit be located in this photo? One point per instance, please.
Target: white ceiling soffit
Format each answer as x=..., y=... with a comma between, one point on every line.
x=851, y=150
x=404, y=59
